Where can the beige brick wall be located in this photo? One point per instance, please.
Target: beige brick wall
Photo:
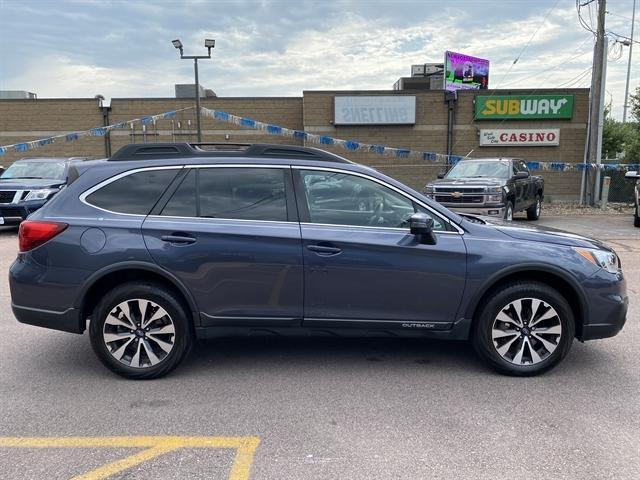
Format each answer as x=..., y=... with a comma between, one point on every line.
x=430, y=134
x=24, y=120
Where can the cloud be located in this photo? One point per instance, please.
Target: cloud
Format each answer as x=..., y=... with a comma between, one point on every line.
x=281, y=48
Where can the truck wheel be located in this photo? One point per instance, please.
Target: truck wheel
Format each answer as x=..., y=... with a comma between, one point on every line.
x=140, y=330
x=524, y=329
x=508, y=211
x=533, y=212
x=636, y=218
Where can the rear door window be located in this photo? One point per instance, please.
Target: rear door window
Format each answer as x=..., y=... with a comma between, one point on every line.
x=233, y=193
x=133, y=194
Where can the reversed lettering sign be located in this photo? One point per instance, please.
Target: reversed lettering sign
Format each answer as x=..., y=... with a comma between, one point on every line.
x=375, y=110
x=523, y=107
x=537, y=137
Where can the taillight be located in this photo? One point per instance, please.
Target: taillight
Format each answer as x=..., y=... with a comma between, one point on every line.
x=32, y=233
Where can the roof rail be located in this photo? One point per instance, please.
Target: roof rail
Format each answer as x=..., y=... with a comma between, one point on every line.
x=153, y=151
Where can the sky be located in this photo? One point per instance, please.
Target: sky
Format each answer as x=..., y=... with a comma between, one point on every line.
x=122, y=48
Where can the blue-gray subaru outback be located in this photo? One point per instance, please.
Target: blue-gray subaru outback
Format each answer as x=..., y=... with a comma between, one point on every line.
x=165, y=243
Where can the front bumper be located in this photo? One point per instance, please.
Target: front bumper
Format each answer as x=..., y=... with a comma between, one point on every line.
x=492, y=211
x=607, y=303
x=13, y=214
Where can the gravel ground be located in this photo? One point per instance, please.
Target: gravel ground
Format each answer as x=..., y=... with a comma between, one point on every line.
x=561, y=209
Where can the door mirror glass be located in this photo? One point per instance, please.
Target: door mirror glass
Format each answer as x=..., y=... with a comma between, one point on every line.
x=440, y=176
x=521, y=174
x=421, y=225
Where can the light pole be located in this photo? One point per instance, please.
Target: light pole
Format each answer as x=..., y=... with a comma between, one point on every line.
x=629, y=43
x=209, y=44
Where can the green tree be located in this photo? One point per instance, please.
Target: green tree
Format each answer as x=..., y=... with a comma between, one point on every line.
x=632, y=130
x=614, y=136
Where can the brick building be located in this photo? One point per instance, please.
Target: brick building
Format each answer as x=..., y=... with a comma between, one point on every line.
x=29, y=119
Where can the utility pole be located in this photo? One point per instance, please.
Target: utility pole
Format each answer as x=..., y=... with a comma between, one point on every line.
x=626, y=90
x=597, y=81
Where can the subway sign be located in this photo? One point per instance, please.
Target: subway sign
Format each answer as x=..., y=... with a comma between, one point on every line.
x=523, y=107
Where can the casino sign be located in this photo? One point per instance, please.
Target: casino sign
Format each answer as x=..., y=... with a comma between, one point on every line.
x=536, y=137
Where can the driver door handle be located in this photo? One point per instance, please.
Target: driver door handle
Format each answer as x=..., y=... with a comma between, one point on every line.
x=324, y=250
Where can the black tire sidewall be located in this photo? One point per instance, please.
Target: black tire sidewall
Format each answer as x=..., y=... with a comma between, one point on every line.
x=483, y=342
x=506, y=211
x=159, y=295
x=532, y=212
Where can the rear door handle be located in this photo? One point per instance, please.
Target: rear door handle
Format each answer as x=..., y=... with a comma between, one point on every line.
x=324, y=250
x=178, y=239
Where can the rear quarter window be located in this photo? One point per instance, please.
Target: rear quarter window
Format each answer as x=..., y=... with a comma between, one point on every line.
x=133, y=194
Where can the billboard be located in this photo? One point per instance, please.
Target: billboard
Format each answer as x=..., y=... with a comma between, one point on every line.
x=374, y=110
x=523, y=107
x=535, y=137
x=463, y=72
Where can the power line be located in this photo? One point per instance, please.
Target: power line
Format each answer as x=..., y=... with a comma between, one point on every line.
x=575, y=80
x=560, y=64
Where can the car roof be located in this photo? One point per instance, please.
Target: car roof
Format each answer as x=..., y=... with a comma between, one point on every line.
x=52, y=159
x=193, y=152
x=496, y=159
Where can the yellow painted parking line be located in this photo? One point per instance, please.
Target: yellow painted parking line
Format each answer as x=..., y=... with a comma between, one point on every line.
x=153, y=447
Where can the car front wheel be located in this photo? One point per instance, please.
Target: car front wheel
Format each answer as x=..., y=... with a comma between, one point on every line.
x=524, y=329
x=508, y=211
x=140, y=330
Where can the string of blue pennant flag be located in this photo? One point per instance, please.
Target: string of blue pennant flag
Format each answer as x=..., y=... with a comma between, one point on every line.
x=354, y=146
x=92, y=132
x=271, y=129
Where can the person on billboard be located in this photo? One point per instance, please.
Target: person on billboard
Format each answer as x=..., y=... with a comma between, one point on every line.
x=468, y=72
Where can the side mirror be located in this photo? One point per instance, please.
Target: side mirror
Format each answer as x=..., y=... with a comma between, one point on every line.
x=632, y=175
x=440, y=176
x=521, y=175
x=421, y=225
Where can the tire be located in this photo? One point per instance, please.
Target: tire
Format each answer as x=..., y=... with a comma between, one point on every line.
x=533, y=212
x=636, y=218
x=508, y=211
x=518, y=350
x=153, y=354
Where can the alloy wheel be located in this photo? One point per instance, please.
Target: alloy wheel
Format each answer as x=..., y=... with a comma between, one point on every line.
x=139, y=333
x=526, y=331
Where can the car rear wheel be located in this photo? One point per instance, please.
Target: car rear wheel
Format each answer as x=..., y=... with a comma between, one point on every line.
x=508, y=211
x=140, y=330
x=533, y=212
x=526, y=328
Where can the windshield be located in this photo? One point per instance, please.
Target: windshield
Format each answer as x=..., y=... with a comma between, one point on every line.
x=49, y=170
x=477, y=169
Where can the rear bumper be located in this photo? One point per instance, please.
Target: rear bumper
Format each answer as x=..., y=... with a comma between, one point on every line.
x=66, y=321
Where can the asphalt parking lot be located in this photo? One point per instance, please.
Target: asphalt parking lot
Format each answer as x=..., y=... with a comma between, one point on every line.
x=323, y=409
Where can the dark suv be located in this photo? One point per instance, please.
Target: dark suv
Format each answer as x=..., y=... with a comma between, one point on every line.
x=165, y=243
x=634, y=175
x=29, y=183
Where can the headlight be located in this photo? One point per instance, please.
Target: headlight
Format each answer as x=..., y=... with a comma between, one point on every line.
x=428, y=189
x=42, y=194
x=494, y=189
x=494, y=199
x=600, y=258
